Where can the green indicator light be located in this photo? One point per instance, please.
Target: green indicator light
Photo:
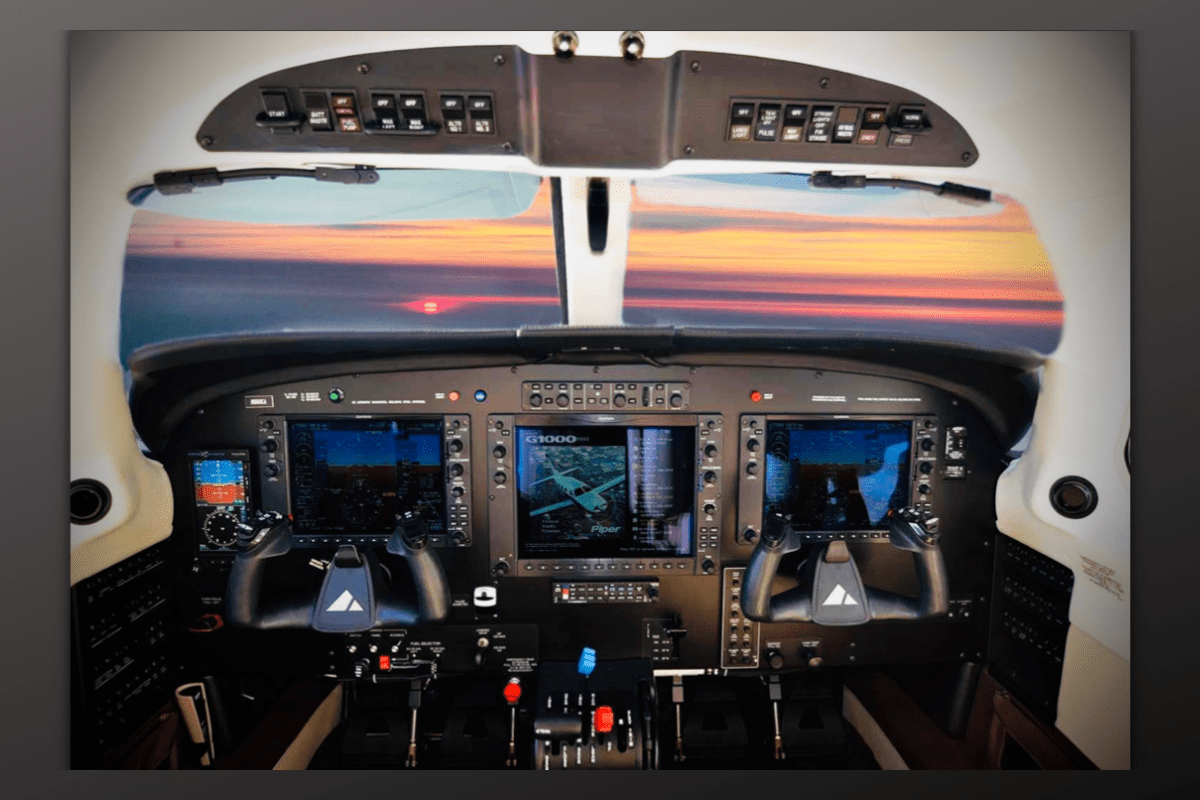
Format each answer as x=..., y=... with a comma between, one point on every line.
x=336, y=395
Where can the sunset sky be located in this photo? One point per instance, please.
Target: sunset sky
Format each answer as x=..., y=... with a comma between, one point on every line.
x=701, y=252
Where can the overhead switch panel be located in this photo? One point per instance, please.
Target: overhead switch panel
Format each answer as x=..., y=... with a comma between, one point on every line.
x=504, y=101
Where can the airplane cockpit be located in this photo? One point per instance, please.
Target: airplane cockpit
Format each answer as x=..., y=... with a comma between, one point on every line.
x=625, y=400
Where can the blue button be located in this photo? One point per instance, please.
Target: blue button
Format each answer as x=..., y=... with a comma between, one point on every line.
x=587, y=661
x=480, y=395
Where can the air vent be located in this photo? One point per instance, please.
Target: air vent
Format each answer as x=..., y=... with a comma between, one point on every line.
x=90, y=501
x=1073, y=497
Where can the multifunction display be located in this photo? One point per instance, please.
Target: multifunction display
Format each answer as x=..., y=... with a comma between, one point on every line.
x=356, y=475
x=605, y=492
x=837, y=475
x=221, y=493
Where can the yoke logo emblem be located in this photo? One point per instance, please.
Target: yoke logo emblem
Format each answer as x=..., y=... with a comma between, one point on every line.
x=345, y=602
x=839, y=597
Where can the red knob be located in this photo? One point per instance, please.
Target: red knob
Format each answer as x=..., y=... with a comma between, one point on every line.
x=604, y=719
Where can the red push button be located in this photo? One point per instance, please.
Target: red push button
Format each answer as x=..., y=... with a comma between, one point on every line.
x=604, y=719
x=512, y=692
x=385, y=663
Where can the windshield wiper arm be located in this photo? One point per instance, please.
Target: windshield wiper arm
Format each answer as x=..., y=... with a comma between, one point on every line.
x=187, y=180
x=827, y=180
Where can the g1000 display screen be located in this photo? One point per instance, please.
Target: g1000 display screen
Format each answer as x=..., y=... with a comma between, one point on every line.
x=837, y=475
x=605, y=492
x=355, y=476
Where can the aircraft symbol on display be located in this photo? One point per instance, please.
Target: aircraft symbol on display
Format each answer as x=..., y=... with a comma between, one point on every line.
x=578, y=492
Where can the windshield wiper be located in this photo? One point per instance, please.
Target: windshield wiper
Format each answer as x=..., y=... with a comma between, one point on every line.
x=187, y=180
x=827, y=180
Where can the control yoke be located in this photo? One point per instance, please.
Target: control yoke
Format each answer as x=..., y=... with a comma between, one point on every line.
x=354, y=596
x=830, y=590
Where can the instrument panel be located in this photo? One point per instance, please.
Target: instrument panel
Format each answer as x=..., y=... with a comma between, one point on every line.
x=563, y=523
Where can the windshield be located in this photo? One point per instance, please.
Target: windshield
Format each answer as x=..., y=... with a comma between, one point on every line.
x=463, y=250
x=420, y=249
x=768, y=251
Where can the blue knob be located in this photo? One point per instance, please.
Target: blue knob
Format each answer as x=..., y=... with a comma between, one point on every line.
x=587, y=661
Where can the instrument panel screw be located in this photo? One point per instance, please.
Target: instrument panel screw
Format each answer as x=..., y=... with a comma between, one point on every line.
x=688, y=150
x=206, y=141
x=695, y=66
x=824, y=83
x=364, y=68
x=966, y=156
x=506, y=146
x=498, y=60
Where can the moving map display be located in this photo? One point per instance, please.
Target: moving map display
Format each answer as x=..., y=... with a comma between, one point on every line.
x=602, y=492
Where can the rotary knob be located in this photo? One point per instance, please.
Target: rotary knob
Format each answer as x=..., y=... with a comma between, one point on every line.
x=753, y=445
